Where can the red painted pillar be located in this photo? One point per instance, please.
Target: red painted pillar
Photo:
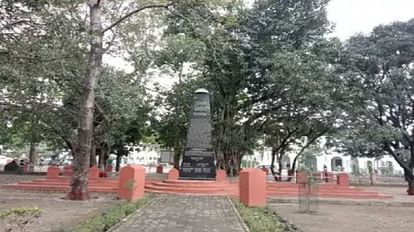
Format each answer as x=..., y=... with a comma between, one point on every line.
x=301, y=177
x=252, y=185
x=67, y=170
x=94, y=173
x=160, y=169
x=173, y=174
x=343, y=179
x=52, y=172
x=131, y=182
x=220, y=175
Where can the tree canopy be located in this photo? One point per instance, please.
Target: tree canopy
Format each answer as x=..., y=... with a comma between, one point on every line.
x=275, y=76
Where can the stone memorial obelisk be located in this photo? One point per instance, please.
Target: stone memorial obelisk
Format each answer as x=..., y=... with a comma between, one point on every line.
x=198, y=159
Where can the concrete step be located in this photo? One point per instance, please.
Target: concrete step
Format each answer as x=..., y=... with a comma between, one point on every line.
x=59, y=188
x=107, y=185
x=193, y=191
x=101, y=180
x=196, y=194
x=356, y=191
x=195, y=182
x=350, y=196
x=195, y=185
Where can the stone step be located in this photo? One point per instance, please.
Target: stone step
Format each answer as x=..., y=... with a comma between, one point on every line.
x=195, y=185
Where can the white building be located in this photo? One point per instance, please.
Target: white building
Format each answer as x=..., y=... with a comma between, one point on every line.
x=147, y=155
x=334, y=161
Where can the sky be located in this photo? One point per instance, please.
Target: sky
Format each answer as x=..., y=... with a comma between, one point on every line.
x=353, y=16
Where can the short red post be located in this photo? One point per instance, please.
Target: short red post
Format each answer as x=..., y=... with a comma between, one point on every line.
x=131, y=182
x=301, y=177
x=173, y=174
x=252, y=185
x=220, y=175
x=160, y=169
x=343, y=179
x=52, y=172
x=94, y=173
x=67, y=170
x=102, y=172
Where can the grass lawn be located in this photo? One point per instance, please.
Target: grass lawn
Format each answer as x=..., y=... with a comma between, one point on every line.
x=259, y=219
x=105, y=221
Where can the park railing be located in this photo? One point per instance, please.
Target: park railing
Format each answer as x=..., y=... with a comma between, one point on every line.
x=308, y=192
x=377, y=180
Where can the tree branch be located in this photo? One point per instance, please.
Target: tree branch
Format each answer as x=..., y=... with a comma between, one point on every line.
x=125, y=17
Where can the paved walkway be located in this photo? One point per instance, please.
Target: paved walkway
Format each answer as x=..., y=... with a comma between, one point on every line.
x=184, y=214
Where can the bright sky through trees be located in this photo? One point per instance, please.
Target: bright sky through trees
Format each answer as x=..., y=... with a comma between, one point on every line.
x=353, y=16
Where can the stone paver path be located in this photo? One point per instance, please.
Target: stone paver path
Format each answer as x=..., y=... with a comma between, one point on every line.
x=184, y=214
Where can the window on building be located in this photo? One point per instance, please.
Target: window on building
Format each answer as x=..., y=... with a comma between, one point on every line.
x=336, y=164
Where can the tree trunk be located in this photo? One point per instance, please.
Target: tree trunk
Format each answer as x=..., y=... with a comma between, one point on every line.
x=33, y=140
x=410, y=190
x=79, y=181
x=118, y=162
x=272, y=164
x=292, y=170
x=101, y=159
x=280, y=165
x=93, y=154
x=409, y=177
x=236, y=164
x=177, y=156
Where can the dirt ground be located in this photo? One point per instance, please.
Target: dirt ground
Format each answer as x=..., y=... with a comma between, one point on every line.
x=347, y=218
x=57, y=214
x=355, y=218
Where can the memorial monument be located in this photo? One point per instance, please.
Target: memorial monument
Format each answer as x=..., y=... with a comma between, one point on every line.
x=198, y=160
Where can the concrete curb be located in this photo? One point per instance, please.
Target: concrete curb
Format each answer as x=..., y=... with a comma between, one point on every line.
x=343, y=202
x=238, y=215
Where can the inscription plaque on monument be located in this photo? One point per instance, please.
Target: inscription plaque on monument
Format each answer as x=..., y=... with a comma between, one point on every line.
x=198, y=159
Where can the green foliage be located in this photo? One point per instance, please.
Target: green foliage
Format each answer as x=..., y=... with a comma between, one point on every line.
x=308, y=160
x=259, y=219
x=377, y=76
x=266, y=68
x=19, y=218
x=112, y=216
